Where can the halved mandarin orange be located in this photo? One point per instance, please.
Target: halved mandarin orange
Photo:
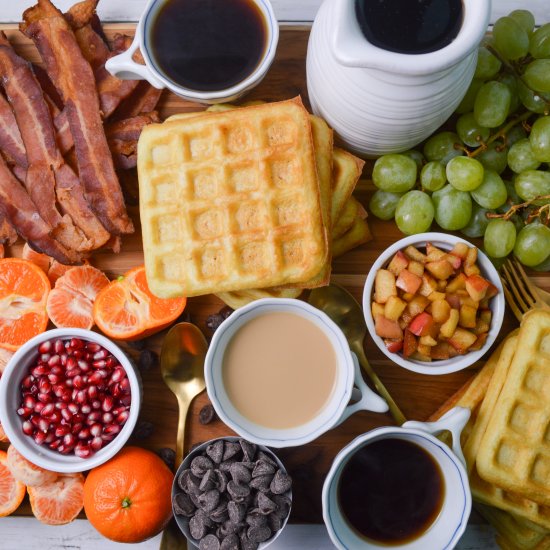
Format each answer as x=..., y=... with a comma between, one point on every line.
x=24, y=289
x=59, y=501
x=70, y=303
x=43, y=261
x=127, y=310
x=12, y=492
x=25, y=471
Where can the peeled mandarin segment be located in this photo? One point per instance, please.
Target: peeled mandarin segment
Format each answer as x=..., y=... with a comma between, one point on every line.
x=57, y=270
x=85, y=279
x=43, y=261
x=25, y=471
x=12, y=492
x=59, y=501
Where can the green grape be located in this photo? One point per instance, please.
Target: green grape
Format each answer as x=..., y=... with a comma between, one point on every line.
x=539, y=43
x=470, y=132
x=533, y=244
x=382, y=204
x=540, y=139
x=495, y=157
x=521, y=157
x=453, y=208
x=543, y=266
x=500, y=237
x=510, y=38
x=478, y=222
x=432, y=176
x=467, y=103
x=492, y=192
x=511, y=81
x=525, y=19
x=414, y=213
x=515, y=133
x=492, y=104
x=487, y=66
x=537, y=75
x=441, y=147
x=464, y=173
x=512, y=195
x=531, y=100
x=394, y=173
x=531, y=184
x=417, y=156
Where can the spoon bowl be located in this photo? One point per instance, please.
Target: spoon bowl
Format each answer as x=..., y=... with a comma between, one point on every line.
x=346, y=312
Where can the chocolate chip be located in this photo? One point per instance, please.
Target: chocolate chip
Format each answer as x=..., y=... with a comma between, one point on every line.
x=148, y=360
x=231, y=542
x=168, y=456
x=249, y=450
x=259, y=533
x=280, y=483
x=265, y=504
x=263, y=468
x=208, y=481
x=261, y=483
x=210, y=542
x=256, y=520
x=219, y=514
x=236, y=511
x=197, y=526
x=183, y=505
x=283, y=505
x=231, y=448
x=209, y=500
x=266, y=458
x=207, y=414
x=230, y=528
x=225, y=312
x=247, y=544
x=215, y=451
x=214, y=321
x=238, y=492
x=200, y=465
x=240, y=473
x=189, y=483
x=221, y=481
x=143, y=429
x=275, y=522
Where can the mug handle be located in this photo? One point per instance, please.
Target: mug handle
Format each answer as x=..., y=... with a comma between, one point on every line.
x=452, y=421
x=124, y=67
x=369, y=401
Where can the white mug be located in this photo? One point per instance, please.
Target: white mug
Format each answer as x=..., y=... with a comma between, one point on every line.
x=451, y=522
x=124, y=67
x=349, y=381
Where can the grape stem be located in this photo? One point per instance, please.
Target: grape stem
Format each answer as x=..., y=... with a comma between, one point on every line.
x=537, y=213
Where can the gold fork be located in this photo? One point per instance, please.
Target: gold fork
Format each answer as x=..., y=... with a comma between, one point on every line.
x=520, y=293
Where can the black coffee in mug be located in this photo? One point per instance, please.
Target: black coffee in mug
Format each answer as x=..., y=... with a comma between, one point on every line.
x=207, y=45
x=409, y=26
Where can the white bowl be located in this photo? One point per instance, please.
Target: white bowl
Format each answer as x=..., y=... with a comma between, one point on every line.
x=183, y=522
x=10, y=399
x=497, y=304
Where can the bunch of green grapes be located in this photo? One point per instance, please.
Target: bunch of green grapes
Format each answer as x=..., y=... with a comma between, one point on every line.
x=490, y=177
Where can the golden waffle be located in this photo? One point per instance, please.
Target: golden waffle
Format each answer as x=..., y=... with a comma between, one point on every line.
x=240, y=298
x=514, y=452
x=346, y=170
x=230, y=201
x=346, y=219
x=359, y=233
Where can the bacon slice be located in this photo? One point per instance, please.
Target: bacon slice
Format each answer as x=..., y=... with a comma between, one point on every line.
x=11, y=143
x=21, y=213
x=143, y=99
x=74, y=80
x=7, y=232
x=48, y=177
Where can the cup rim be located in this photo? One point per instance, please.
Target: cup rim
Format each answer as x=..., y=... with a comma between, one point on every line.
x=337, y=403
x=453, y=364
x=41, y=455
x=272, y=27
x=386, y=432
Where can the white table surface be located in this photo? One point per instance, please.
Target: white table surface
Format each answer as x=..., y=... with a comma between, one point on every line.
x=29, y=534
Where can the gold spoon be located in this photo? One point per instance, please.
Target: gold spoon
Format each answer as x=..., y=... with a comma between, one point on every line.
x=344, y=310
x=182, y=368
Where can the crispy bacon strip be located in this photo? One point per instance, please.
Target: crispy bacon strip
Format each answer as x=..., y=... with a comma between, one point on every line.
x=11, y=143
x=7, y=232
x=143, y=99
x=74, y=80
x=47, y=178
x=21, y=213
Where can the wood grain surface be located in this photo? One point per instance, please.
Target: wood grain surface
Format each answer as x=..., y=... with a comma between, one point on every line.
x=418, y=395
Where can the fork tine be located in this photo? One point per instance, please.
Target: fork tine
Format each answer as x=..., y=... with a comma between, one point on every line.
x=531, y=286
x=510, y=299
x=517, y=286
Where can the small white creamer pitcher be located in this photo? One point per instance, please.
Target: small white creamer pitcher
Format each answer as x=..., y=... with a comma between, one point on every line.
x=380, y=101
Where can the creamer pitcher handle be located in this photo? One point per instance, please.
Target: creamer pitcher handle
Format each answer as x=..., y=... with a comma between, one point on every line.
x=124, y=67
x=452, y=421
x=369, y=401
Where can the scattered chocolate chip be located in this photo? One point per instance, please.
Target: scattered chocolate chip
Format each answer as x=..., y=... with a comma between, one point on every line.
x=214, y=321
x=143, y=429
x=168, y=456
x=210, y=542
x=207, y=414
x=281, y=483
x=231, y=542
x=200, y=465
x=183, y=505
x=148, y=360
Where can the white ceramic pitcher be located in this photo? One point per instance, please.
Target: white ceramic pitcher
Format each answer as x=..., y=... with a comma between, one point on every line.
x=380, y=101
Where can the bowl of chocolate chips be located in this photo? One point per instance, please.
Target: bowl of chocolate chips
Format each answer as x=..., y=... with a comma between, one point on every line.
x=230, y=494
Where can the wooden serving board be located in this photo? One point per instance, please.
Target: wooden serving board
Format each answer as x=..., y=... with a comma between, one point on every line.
x=417, y=395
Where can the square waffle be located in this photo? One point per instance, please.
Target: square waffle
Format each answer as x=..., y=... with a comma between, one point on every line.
x=514, y=453
x=230, y=200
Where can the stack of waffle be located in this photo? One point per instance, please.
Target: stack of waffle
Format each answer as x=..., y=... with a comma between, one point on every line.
x=245, y=202
x=507, y=441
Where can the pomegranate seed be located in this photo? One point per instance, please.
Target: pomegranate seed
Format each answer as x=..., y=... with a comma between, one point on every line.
x=107, y=404
x=43, y=425
x=38, y=407
x=45, y=347
x=84, y=433
x=53, y=378
x=100, y=364
x=33, y=389
x=125, y=385
x=84, y=366
x=55, y=417
x=96, y=404
x=44, y=386
x=107, y=438
x=76, y=343
x=54, y=445
x=111, y=362
x=28, y=428
x=63, y=450
x=60, y=405
x=126, y=400
x=107, y=417
x=115, y=390
x=67, y=414
x=101, y=354
x=82, y=450
x=122, y=417
x=39, y=371
x=82, y=396
x=93, y=417
x=24, y=412
x=73, y=408
x=39, y=438
x=86, y=409
x=95, y=378
x=45, y=357
x=96, y=429
x=76, y=427
x=71, y=373
x=69, y=440
x=66, y=397
x=58, y=390
x=92, y=392
x=118, y=374
x=78, y=417
x=92, y=347
x=48, y=409
x=49, y=438
x=54, y=360
x=78, y=382
x=34, y=420
x=44, y=397
x=112, y=429
x=96, y=443
x=64, y=358
x=27, y=381
x=29, y=402
x=61, y=430
x=57, y=370
x=69, y=383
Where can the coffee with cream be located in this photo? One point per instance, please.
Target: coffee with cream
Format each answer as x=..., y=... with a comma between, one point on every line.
x=279, y=370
